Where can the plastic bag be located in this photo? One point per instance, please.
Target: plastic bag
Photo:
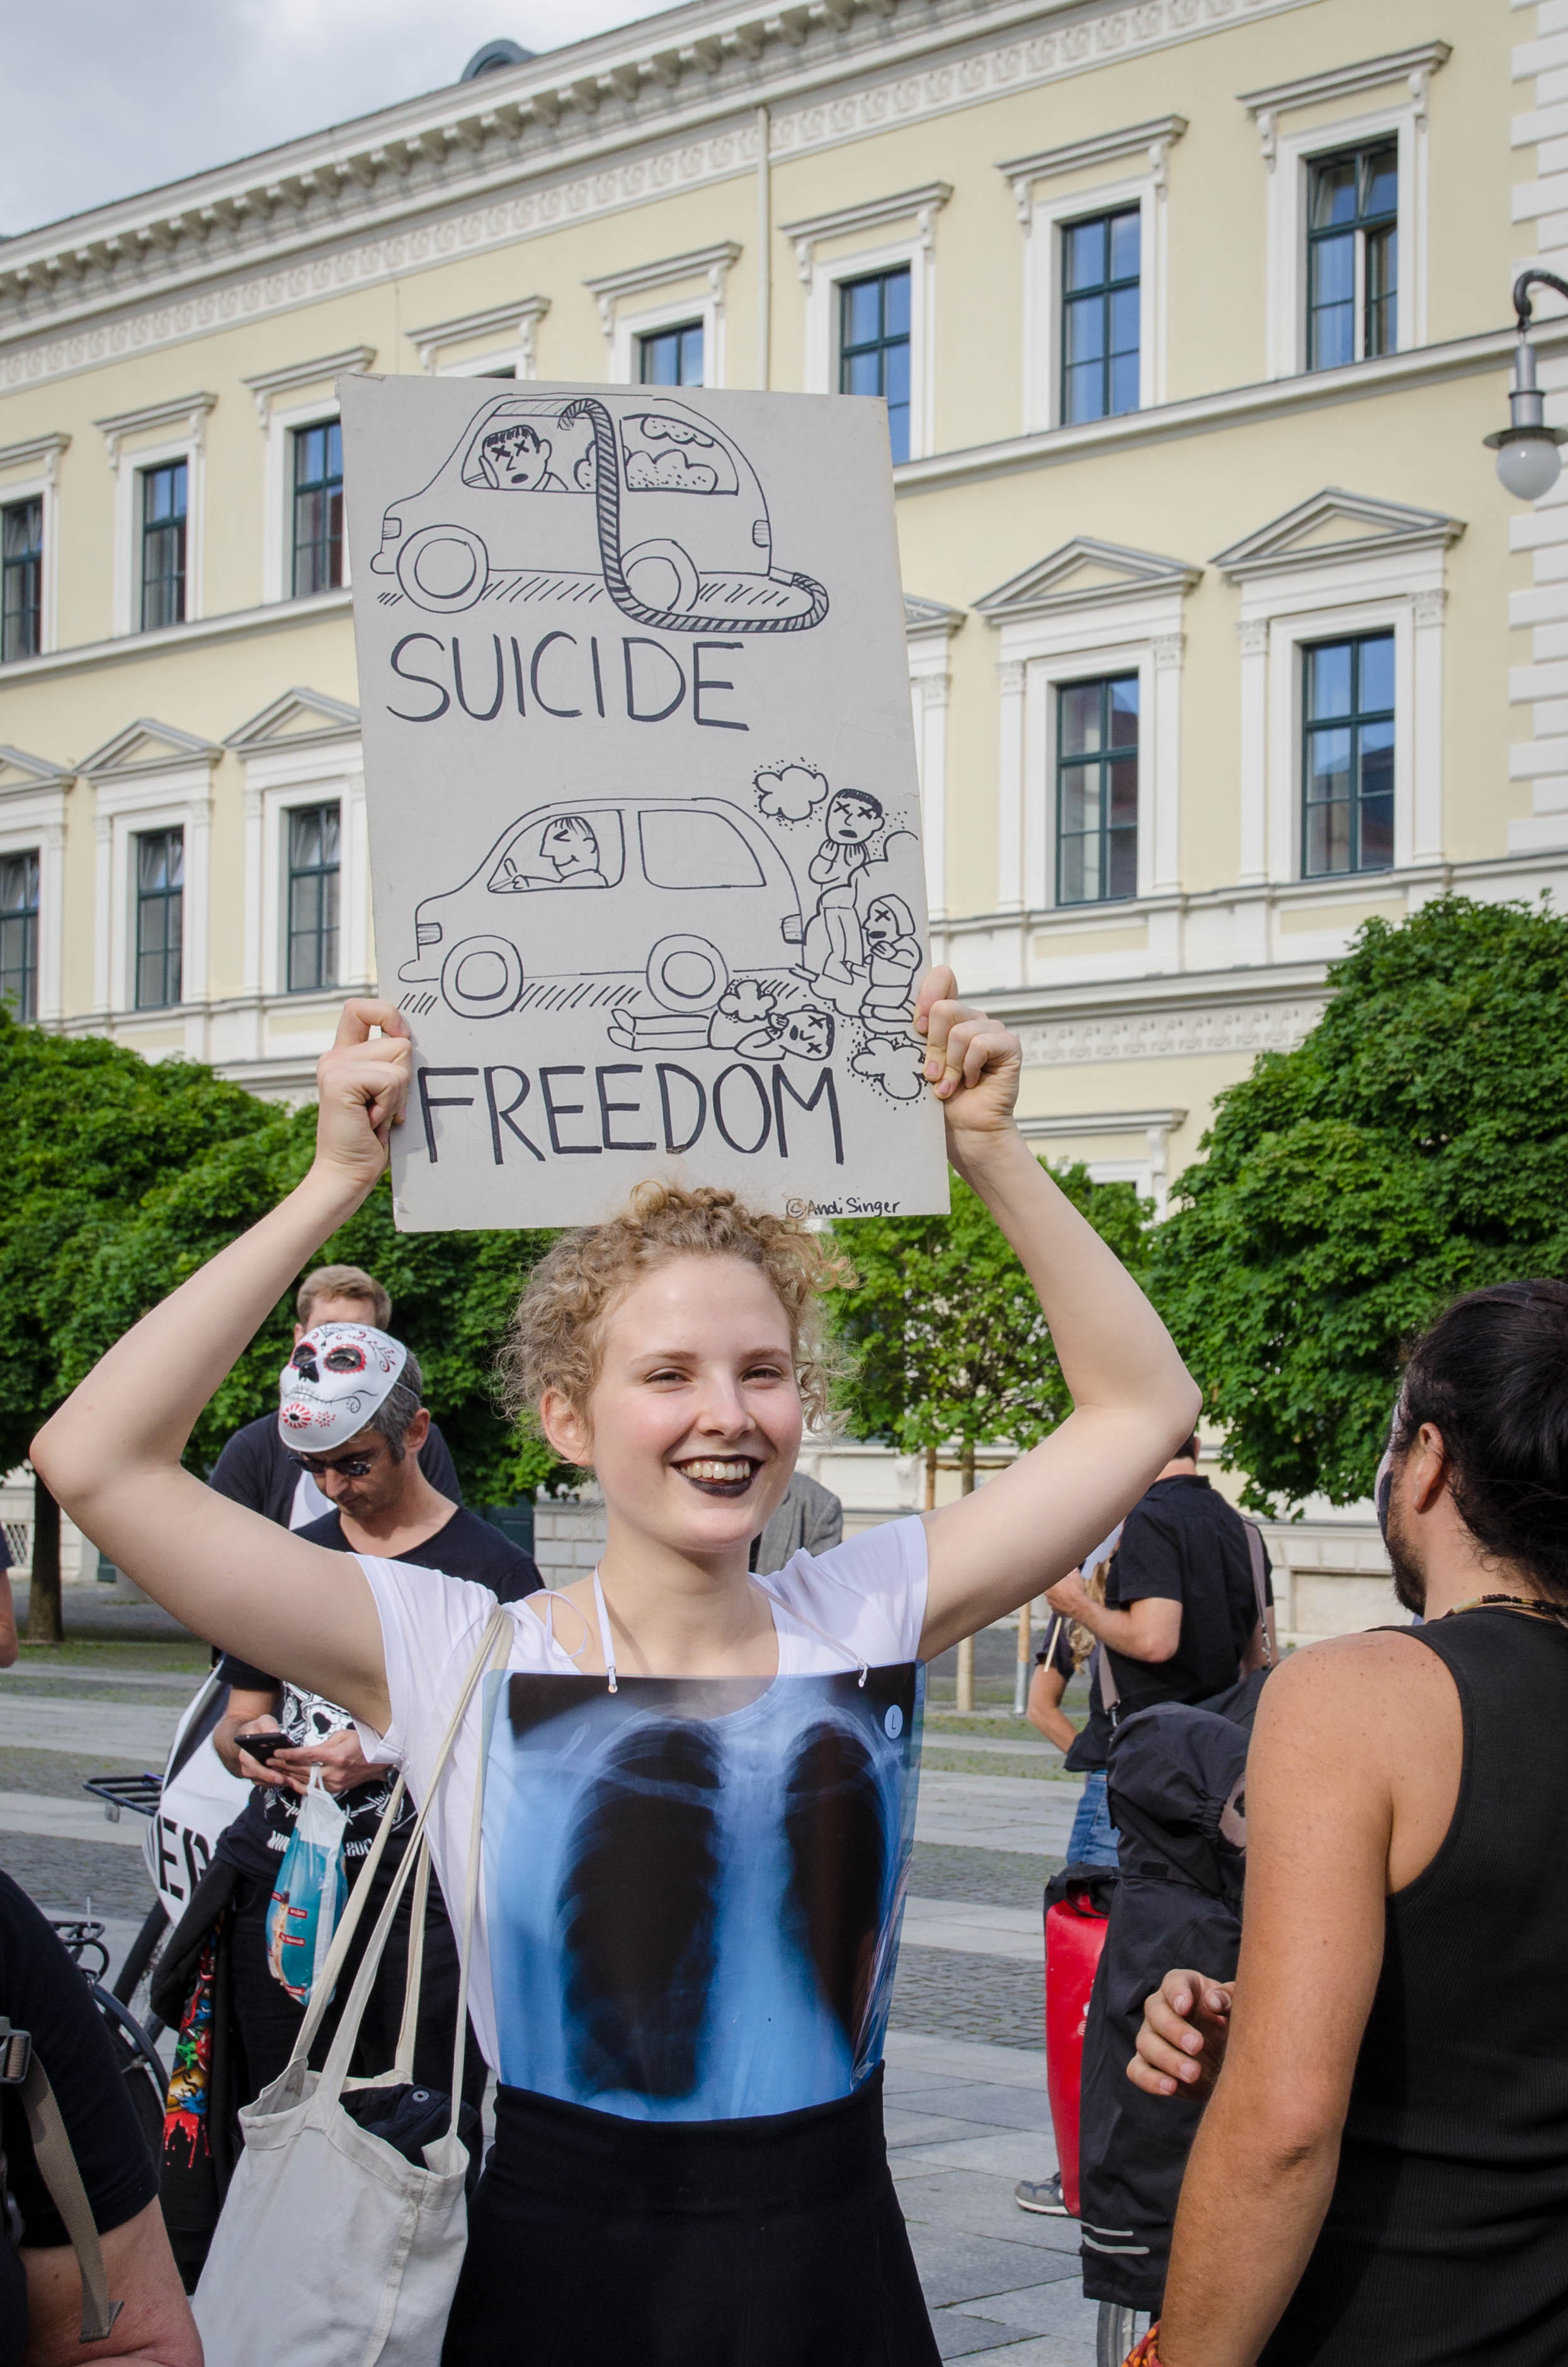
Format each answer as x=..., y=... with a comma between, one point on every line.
x=309, y=1895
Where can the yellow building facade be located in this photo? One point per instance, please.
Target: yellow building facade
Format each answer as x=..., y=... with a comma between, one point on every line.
x=1191, y=316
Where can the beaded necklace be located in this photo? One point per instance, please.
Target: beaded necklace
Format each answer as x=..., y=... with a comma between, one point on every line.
x=1531, y=1603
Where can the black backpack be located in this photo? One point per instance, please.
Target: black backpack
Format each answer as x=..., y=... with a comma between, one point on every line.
x=1176, y=1783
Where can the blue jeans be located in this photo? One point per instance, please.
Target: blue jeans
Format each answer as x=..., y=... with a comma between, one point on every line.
x=1093, y=1839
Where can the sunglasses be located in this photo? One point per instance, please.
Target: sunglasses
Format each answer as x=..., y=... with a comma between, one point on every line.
x=348, y=1466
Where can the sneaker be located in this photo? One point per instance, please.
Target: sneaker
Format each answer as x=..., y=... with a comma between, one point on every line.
x=1042, y=2194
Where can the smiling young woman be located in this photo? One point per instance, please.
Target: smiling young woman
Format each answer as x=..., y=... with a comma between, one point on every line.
x=695, y=1786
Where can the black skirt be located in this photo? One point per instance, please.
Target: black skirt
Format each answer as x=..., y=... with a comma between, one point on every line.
x=775, y=2242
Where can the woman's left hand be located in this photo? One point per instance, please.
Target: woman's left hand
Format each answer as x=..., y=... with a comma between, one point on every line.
x=972, y=1061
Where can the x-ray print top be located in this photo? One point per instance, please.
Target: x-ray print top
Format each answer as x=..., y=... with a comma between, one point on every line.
x=692, y=1888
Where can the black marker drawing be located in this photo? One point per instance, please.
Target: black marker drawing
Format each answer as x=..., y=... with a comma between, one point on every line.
x=589, y=902
x=566, y=500
x=681, y=921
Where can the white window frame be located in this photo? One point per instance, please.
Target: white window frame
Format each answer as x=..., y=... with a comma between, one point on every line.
x=929, y=647
x=1142, y=637
x=32, y=820
x=914, y=255
x=279, y=782
x=277, y=502
x=39, y=460
x=177, y=799
x=1400, y=592
x=631, y=328
x=1046, y=289
x=703, y=274
x=1289, y=183
x=128, y=463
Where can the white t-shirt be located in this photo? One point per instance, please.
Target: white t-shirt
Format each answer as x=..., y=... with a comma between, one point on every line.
x=862, y=1604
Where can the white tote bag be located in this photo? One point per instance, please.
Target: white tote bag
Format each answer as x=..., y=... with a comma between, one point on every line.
x=331, y=2249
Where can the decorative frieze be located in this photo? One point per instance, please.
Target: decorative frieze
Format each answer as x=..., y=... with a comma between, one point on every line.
x=1164, y=1034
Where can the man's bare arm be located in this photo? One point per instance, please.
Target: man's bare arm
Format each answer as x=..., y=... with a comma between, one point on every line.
x=1149, y=1629
x=1349, y=1787
x=155, y=2327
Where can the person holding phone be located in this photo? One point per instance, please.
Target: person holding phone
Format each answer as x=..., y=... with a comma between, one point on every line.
x=694, y=1785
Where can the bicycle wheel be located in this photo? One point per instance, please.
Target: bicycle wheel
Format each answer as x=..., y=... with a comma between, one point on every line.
x=146, y=2084
x=1118, y=2330
x=133, y=1983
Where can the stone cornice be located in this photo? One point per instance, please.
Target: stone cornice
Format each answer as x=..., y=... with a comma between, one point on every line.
x=40, y=453
x=1150, y=140
x=266, y=385
x=514, y=322
x=601, y=124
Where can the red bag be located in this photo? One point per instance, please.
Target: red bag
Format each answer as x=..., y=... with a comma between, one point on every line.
x=1074, y=1934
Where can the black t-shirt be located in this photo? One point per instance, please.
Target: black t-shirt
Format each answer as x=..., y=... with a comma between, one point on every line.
x=42, y=1992
x=466, y=1547
x=257, y=1469
x=1183, y=1542
x=1089, y=1751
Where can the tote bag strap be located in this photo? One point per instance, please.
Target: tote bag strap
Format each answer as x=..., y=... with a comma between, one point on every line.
x=408, y=2030
x=335, y=2070
x=1261, y=1594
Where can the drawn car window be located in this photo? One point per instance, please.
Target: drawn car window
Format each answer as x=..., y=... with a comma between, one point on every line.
x=567, y=849
x=684, y=847
x=521, y=447
x=666, y=455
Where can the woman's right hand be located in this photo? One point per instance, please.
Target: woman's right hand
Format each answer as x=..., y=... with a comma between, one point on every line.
x=362, y=1090
x=1185, y=2027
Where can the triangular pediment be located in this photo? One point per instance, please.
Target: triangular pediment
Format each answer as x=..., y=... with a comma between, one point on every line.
x=147, y=745
x=1335, y=526
x=929, y=616
x=298, y=718
x=20, y=771
x=1086, y=574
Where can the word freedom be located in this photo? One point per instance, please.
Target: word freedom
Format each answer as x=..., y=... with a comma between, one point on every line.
x=564, y=676
x=747, y=1109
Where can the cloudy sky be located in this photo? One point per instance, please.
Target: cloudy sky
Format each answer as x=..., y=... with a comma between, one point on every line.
x=105, y=98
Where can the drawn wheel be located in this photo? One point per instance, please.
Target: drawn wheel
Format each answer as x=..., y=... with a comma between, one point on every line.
x=443, y=567
x=687, y=974
x=482, y=977
x=660, y=576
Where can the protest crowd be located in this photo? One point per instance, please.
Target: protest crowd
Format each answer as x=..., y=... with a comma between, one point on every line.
x=1323, y=2132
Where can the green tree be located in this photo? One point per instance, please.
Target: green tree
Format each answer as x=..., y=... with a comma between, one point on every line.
x=1414, y=1146
x=948, y=1345
x=123, y=1177
x=91, y=1128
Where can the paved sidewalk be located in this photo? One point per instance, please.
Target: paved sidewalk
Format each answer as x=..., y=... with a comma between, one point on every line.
x=964, y=2122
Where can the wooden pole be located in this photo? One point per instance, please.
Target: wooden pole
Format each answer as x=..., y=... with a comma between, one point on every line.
x=966, y=1648
x=1021, y=1673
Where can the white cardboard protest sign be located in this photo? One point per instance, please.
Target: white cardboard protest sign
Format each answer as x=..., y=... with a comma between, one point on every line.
x=640, y=768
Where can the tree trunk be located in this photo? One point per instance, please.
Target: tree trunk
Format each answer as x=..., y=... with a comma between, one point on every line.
x=46, y=1623
x=966, y=1650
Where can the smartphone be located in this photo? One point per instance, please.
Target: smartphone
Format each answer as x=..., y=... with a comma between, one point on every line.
x=264, y=1747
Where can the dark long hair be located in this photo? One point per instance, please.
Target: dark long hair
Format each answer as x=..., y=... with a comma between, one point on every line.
x=1492, y=1376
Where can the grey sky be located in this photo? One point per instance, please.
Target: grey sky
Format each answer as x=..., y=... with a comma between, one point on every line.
x=104, y=99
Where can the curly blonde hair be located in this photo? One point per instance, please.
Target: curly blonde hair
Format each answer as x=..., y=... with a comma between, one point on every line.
x=556, y=1334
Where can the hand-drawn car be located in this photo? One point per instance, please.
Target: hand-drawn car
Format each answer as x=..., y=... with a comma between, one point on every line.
x=549, y=497
x=597, y=901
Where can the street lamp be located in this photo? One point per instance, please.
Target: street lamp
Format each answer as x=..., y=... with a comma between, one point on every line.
x=1529, y=461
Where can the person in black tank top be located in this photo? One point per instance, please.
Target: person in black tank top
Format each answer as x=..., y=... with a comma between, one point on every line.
x=1381, y=2177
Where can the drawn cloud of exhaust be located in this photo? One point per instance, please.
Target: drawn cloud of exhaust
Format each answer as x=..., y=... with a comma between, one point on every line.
x=893, y=1064
x=789, y=792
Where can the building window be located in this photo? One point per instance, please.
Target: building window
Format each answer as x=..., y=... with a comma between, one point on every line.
x=873, y=345
x=21, y=555
x=160, y=917
x=671, y=357
x=312, y=898
x=318, y=508
x=18, y=934
x=1096, y=790
x=1100, y=300
x=1353, y=255
x=1347, y=761
x=163, y=545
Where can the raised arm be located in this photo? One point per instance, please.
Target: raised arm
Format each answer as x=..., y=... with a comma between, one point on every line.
x=112, y=1453
x=1132, y=1399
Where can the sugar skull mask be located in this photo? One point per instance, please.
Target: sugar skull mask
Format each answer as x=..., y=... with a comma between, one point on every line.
x=333, y=1382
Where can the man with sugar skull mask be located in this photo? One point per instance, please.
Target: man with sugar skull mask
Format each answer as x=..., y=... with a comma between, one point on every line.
x=349, y=1414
